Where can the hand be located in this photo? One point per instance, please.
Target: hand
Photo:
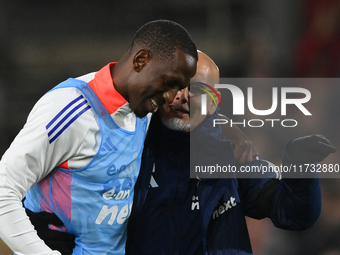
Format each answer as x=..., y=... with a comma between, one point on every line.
x=56, y=240
x=309, y=149
x=244, y=150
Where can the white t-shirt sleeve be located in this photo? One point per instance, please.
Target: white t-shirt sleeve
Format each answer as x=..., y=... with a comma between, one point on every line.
x=30, y=158
x=149, y=116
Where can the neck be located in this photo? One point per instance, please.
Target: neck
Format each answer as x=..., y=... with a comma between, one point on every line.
x=119, y=79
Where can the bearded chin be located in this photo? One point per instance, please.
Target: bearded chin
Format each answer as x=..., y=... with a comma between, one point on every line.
x=176, y=124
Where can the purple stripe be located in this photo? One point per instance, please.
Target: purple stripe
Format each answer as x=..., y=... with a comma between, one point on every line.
x=63, y=110
x=69, y=123
x=65, y=118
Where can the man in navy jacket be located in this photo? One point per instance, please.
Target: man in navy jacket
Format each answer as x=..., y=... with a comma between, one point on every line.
x=173, y=214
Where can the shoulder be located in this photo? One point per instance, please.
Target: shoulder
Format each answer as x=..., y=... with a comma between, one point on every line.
x=57, y=99
x=62, y=111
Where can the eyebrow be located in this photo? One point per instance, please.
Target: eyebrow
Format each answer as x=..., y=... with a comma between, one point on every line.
x=172, y=81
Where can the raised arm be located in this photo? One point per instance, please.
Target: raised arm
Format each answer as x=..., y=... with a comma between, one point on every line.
x=297, y=199
x=292, y=202
x=244, y=149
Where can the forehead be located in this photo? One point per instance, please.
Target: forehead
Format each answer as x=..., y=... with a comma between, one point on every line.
x=185, y=63
x=181, y=68
x=206, y=84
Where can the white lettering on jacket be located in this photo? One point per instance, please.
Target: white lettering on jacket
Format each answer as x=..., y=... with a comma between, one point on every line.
x=195, y=203
x=225, y=207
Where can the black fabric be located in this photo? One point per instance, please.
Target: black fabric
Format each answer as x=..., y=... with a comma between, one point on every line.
x=307, y=149
x=56, y=240
x=266, y=197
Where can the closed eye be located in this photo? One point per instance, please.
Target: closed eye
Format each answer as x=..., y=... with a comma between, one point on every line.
x=171, y=83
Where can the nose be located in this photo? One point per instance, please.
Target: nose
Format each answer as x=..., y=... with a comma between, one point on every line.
x=182, y=95
x=170, y=95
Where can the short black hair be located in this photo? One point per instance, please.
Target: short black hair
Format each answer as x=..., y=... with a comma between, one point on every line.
x=163, y=37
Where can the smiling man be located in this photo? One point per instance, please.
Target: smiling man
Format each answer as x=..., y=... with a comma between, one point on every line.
x=79, y=153
x=173, y=214
x=184, y=114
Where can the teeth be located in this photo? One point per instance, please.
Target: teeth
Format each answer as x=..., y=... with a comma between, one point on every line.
x=154, y=104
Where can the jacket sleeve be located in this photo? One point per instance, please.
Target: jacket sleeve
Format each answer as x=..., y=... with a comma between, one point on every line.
x=291, y=203
x=256, y=189
x=297, y=201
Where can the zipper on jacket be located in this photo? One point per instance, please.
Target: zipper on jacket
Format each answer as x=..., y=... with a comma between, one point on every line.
x=174, y=214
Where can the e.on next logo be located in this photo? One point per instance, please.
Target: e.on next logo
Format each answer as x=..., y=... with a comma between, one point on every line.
x=239, y=105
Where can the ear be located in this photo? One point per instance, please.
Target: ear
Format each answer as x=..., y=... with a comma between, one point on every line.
x=211, y=106
x=140, y=59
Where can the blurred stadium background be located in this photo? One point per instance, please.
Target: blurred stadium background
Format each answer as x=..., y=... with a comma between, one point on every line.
x=44, y=42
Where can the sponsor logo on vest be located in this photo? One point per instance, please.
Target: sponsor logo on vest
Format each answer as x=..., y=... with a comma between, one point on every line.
x=225, y=207
x=111, y=194
x=111, y=170
x=120, y=217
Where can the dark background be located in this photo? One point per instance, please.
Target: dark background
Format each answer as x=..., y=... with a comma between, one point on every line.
x=44, y=42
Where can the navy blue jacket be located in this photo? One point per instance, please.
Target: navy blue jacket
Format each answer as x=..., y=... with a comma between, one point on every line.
x=173, y=214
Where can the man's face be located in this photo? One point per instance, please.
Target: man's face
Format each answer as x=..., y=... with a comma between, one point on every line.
x=158, y=82
x=184, y=113
x=176, y=115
